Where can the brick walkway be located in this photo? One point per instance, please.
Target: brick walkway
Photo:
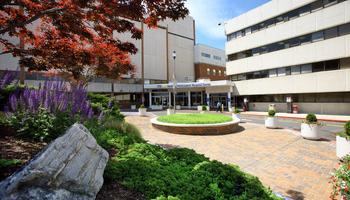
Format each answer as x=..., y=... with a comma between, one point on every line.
x=290, y=165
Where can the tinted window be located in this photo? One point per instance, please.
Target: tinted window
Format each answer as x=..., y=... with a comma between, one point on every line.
x=317, y=36
x=295, y=70
x=344, y=29
x=306, y=69
x=318, y=67
x=316, y=6
x=331, y=33
x=332, y=65
x=305, y=39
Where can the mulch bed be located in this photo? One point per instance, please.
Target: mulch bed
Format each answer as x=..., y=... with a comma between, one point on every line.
x=19, y=149
x=115, y=191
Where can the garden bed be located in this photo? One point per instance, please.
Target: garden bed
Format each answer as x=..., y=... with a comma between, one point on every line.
x=195, y=118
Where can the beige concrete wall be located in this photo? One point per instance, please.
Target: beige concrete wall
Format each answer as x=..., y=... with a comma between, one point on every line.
x=325, y=108
x=271, y=9
x=323, y=19
x=319, y=51
x=320, y=82
x=264, y=106
x=198, y=58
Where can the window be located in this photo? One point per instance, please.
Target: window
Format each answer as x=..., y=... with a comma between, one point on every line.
x=316, y=6
x=281, y=71
x=272, y=73
x=304, y=10
x=318, y=67
x=294, y=42
x=279, y=20
x=205, y=55
x=295, y=70
x=344, y=29
x=214, y=72
x=234, y=78
x=264, y=74
x=217, y=57
x=306, y=69
x=220, y=73
x=248, y=31
x=318, y=36
x=332, y=65
x=249, y=76
x=327, y=3
x=330, y=33
x=288, y=71
x=208, y=71
x=225, y=72
x=242, y=77
x=306, y=39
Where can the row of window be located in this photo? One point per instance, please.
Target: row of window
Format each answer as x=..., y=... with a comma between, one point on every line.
x=312, y=7
x=206, y=55
x=214, y=72
x=293, y=42
x=291, y=70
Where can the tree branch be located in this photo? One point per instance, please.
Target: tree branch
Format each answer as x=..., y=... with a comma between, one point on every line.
x=24, y=23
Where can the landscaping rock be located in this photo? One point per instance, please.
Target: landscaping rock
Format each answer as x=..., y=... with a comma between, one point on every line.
x=71, y=167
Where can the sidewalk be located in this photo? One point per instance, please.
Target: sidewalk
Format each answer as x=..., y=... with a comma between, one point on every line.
x=329, y=118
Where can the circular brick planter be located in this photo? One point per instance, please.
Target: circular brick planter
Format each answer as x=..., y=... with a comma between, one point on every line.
x=198, y=129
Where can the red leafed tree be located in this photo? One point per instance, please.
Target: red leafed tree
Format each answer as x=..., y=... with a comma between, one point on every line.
x=75, y=36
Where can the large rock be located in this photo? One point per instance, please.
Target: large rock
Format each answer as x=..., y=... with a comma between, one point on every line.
x=71, y=167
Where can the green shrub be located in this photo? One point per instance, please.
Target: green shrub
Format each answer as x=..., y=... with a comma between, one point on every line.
x=341, y=180
x=181, y=174
x=204, y=108
x=99, y=100
x=311, y=119
x=43, y=126
x=271, y=113
x=347, y=128
x=142, y=106
x=166, y=198
x=9, y=163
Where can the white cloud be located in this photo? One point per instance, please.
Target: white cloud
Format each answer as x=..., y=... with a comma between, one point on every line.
x=209, y=13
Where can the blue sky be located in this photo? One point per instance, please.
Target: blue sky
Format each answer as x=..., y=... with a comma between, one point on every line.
x=208, y=13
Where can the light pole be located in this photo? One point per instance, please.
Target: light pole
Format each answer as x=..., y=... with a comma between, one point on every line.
x=174, y=81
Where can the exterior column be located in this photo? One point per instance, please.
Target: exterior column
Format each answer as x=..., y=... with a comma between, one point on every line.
x=189, y=99
x=150, y=99
x=169, y=98
x=229, y=101
x=208, y=100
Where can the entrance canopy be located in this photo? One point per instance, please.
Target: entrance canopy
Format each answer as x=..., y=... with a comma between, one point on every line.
x=209, y=86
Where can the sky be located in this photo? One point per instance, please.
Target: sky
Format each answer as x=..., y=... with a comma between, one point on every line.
x=209, y=13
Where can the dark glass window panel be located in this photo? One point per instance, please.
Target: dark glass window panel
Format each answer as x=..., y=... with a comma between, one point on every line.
x=331, y=33
x=294, y=42
x=279, y=19
x=317, y=36
x=305, y=39
x=264, y=74
x=255, y=28
x=232, y=57
x=293, y=14
x=332, y=65
x=318, y=67
x=304, y=10
x=344, y=29
x=327, y=3
x=250, y=76
x=256, y=51
x=317, y=5
x=234, y=77
x=288, y=71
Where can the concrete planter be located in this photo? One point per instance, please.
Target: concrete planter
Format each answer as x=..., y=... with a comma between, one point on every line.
x=142, y=111
x=178, y=107
x=133, y=107
x=236, y=116
x=230, y=109
x=343, y=147
x=271, y=122
x=310, y=131
x=170, y=111
x=199, y=108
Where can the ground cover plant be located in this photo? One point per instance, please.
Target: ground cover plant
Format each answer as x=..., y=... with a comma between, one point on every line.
x=195, y=118
x=341, y=180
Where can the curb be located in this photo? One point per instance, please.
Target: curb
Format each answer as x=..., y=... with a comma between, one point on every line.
x=300, y=118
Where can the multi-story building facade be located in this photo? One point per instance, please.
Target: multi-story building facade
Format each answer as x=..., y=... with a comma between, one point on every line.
x=153, y=61
x=295, y=50
x=209, y=63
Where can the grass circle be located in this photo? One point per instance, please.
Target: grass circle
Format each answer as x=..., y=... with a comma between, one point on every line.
x=195, y=118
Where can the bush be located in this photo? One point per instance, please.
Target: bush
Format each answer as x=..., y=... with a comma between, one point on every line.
x=142, y=106
x=271, y=113
x=311, y=119
x=181, y=174
x=347, y=128
x=341, y=180
x=99, y=99
x=9, y=163
x=204, y=108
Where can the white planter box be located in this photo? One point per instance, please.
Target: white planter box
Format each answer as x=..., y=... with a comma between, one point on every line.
x=142, y=111
x=236, y=116
x=310, y=131
x=178, y=107
x=230, y=109
x=170, y=111
x=157, y=107
x=271, y=122
x=199, y=108
x=343, y=147
x=133, y=107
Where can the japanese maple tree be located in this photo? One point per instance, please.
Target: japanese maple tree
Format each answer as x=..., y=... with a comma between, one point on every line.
x=75, y=36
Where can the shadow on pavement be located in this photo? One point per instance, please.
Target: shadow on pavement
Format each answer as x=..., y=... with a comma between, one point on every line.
x=295, y=195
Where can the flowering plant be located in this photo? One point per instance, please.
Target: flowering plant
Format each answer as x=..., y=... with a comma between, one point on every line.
x=341, y=180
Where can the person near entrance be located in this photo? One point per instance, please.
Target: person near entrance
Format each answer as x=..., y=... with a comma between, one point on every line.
x=218, y=106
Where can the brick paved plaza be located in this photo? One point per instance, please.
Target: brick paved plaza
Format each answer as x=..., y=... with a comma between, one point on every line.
x=290, y=165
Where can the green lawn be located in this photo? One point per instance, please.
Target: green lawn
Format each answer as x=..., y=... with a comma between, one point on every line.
x=195, y=118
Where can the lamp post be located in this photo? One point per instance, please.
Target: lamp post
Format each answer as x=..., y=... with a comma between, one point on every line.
x=174, y=81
